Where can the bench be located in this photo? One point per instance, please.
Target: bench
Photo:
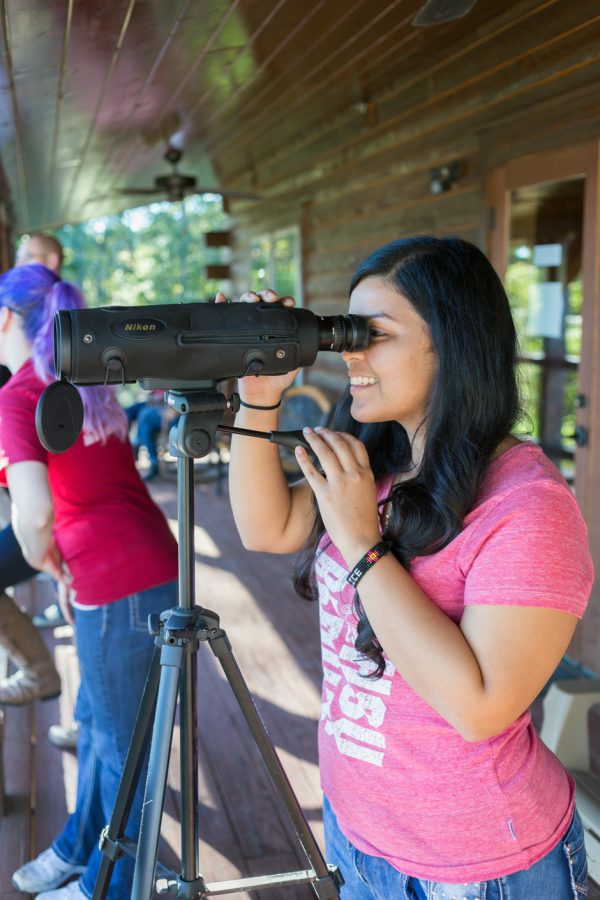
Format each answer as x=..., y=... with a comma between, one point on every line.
x=565, y=731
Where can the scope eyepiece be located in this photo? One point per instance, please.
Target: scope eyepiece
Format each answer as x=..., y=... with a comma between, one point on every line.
x=343, y=333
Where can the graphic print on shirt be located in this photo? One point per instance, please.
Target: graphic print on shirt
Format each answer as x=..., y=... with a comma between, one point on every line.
x=354, y=707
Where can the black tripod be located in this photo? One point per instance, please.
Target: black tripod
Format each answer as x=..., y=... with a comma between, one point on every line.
x=178, y=633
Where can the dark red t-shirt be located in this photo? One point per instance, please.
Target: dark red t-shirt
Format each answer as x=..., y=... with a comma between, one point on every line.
x=113, y=537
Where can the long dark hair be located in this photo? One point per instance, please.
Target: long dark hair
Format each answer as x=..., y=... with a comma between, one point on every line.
x=473, y=405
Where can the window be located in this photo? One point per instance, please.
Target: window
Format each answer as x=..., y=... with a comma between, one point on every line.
x=275, y=263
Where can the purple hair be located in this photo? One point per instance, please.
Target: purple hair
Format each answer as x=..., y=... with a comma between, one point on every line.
x=35, y=293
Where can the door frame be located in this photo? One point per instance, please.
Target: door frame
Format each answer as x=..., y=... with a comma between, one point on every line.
x=580, y=160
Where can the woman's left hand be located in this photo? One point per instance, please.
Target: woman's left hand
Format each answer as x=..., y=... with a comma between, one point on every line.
x=57, y=568
x=65, y=595
x=53, y=563
x=345, y=490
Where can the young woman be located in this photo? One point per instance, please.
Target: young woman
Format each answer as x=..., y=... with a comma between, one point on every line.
x=85, y=517
x=451, y=565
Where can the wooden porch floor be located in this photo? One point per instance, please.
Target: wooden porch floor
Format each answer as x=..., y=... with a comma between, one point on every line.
x=275, y=641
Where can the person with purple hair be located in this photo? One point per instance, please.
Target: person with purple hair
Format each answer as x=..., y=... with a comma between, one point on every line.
x=85, y=517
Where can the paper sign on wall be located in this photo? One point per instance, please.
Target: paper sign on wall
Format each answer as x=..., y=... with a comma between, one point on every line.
x=546, y=309
x=547, y=255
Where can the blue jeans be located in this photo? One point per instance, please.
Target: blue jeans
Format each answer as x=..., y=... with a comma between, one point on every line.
x=560, y=875
x=13, y=568
x=149, y=423
x=115, y=650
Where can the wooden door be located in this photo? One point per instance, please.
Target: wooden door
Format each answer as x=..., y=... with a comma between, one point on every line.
x=544, y=246
x=544, y=243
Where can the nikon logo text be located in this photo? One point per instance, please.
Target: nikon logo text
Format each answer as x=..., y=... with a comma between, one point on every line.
x=138, y=327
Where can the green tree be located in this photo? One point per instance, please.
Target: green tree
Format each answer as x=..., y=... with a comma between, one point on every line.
x=150, y=254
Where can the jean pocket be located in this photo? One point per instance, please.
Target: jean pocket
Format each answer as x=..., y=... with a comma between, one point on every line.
x=138, y=620
x=153, y=600
x=574, y=847
x=441, y=890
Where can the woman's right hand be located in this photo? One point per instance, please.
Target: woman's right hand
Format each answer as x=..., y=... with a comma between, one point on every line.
x=262, y=390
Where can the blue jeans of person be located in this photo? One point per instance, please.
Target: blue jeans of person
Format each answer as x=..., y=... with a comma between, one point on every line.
x=149, y=423
x=13, y=567
x=115, y=650
x=560, y=875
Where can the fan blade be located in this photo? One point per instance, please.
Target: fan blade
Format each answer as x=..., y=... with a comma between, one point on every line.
x=225, y=192
x=138, y=190
x=174, y=194
x=437, y=11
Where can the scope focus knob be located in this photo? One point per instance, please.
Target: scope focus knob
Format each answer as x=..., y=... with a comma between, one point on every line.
x=154, y=624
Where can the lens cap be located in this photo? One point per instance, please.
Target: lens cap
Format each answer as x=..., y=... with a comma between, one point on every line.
x=59, y=416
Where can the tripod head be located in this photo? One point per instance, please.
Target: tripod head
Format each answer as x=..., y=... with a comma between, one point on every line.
x=201, y=414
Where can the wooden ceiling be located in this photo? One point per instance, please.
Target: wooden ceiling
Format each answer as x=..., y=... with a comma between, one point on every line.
x=92, y=92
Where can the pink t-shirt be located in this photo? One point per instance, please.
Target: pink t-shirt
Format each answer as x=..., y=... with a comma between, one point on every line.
x=402, y=782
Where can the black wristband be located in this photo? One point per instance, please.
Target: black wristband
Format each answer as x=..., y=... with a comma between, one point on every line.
x=253, y=406
x=369, y=559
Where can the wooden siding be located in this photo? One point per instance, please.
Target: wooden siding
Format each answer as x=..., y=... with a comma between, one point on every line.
x=520, y=81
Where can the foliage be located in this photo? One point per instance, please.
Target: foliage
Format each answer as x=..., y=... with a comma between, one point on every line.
x=521, y=275
x=150, y=254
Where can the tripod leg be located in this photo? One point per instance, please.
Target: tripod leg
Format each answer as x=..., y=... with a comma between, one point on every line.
x=188, y=725
x=129, y=779
x=188, y=707
x=158, y=765
x=326, y=886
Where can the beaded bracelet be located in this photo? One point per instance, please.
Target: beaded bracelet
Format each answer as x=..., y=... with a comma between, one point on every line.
x=253, y=405
x=369, y=559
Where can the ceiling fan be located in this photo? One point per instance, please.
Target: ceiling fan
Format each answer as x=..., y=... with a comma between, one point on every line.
x=175, y=185
x=437, y=11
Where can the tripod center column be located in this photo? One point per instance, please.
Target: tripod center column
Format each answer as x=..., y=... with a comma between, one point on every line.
x=185, y=506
